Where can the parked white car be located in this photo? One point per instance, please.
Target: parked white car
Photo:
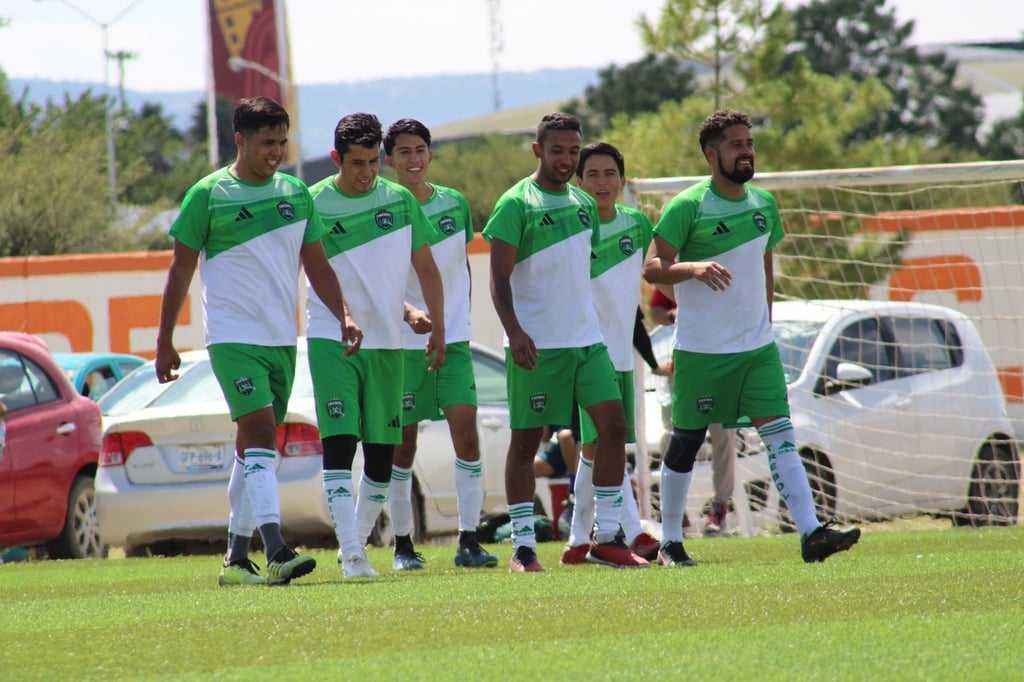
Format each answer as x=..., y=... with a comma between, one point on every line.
x=167, y=453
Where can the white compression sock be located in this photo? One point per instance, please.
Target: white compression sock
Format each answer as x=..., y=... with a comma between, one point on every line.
x=342, y=504
x=583, y=509
x=470, y=491
x=789, y=473
x=400, y=500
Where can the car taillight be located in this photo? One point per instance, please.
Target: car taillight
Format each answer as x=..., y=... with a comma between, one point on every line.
x=118, y=447
x=298, y=440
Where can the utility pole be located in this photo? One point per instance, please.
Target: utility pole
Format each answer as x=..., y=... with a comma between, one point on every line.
x=121, y=56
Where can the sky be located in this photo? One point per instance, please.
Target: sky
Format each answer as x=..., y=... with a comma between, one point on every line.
x=55, y=40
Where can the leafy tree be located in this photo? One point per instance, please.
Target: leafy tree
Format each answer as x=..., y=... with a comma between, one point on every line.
x=631, y=89
x=198, y=132
x=1005, y=141
x=862, y=38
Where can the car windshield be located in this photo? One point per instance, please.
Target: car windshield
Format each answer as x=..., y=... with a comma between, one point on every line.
x=136, y=391
x=795, y=338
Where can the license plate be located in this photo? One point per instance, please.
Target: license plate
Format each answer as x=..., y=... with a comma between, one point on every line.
x=195, y=458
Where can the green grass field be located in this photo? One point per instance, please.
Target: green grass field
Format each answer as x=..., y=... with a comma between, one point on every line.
x=904, y=605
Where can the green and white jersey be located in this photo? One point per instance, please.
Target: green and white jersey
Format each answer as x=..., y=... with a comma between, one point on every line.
x=448, y=211
x=551, y=280
x=249, y=237
x=705, y=226
x=620, y=246
x=369, y=239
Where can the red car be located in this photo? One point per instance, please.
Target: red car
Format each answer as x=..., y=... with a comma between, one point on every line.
x=48, y=463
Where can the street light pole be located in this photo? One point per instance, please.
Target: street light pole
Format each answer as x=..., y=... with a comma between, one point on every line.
x=111, y=152
x=240, y=63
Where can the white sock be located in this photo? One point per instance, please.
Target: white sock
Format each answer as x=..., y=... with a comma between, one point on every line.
x=608, y=511
x=400, y=500
x=240, y=520
x=372, y=496
x=630, y=518
x=583, y=504
x=789, y=474
x=470, y=490
x=261, y=486
x=674, y=488
x=523, y=534
x=342, y=504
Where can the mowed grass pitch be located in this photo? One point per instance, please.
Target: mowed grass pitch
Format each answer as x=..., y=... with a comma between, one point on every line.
x=907, y=605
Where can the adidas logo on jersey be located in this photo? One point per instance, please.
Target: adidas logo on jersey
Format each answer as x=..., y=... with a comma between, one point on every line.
x=547, y=220
x=337, y=228
x=721, y=228
x=244, y=214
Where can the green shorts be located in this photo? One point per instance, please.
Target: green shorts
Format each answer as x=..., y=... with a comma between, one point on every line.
x=359, y=395
x=588, y=432
x=729, y=388
x=545, y=394
x=253, y=377
x=427, y=394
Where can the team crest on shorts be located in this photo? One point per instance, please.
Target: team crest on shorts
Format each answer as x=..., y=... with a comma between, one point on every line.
x=286, y=210
x=447, y=224
x=409, y=402
x=584, y=217
x=245, y=385
x=626, y=245
x=538, y=402
x=760, y=222
x=335, y=409
x=705, y=404
x=385, y=219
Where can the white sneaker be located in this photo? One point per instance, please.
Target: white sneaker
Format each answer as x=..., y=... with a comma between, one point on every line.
x=356, y=565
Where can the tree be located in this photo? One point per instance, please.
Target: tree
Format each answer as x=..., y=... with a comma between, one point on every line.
x=632, y=89
x=1005, y=141
x=862, y=38
x=198, y=132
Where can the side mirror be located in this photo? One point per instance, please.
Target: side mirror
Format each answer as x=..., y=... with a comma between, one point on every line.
x=848, y=375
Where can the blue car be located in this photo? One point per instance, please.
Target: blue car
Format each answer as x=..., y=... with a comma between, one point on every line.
x=93, y=374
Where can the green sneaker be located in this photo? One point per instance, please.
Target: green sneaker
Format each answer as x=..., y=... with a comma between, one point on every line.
x=240, y=572
x=286, y=565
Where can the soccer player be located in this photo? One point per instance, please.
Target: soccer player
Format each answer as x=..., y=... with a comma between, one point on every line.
x=621, y=239
x=449, y=392
x=727, y=364
x=375, y=235
x=248, y=227
x=540, y=234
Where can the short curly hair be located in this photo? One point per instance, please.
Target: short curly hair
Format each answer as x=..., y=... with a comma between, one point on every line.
x=713, y=127
x=358, y=129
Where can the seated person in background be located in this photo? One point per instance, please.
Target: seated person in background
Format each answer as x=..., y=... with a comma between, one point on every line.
x=561, y=448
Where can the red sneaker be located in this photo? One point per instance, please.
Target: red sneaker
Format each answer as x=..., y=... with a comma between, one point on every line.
x=524, y=561
x=615, y=554
x=644, y=545
x=575, y=555
x=716, y=519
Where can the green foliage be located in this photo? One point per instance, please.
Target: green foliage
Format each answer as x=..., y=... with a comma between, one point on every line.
x=198, y=132
x=483, y=168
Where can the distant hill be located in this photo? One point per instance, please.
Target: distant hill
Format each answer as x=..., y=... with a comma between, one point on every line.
x=438, y=101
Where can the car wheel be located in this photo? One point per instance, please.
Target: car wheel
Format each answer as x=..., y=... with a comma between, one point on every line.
x=822, y=481
x=80, y=537
x=995, y=483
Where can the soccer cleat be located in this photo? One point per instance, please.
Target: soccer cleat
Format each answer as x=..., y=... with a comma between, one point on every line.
x=409, y=561
x=524, y=560
x=240, y=572
x=825, y=541
x=286, y=565
x=471, y=554
x=356, y=565
x=715, y=525
x=615, y=554
x=646, y=546
x=673, y=554
x=575, y=555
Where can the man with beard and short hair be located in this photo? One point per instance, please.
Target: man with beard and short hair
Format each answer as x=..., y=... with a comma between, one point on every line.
x=727, y=365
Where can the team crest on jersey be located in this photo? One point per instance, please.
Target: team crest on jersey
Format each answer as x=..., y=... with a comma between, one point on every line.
x=385, y=219
x=447, y=224
x=538, y=402
x=245, y=385
x=335, y=409
x=705, y=404
x=409, y=402
x=286, y=210
x=584, y=217
x=626, y=245
x=760, y=222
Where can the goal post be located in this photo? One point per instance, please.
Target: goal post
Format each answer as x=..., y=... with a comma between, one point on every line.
x=949, y=234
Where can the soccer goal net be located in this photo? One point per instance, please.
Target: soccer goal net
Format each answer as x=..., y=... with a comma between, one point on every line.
x=898, y=413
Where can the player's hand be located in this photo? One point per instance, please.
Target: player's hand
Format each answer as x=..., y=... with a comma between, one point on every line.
x=352, y=335
x=663, y=370
x=523, y=352
x=419, y=321
x=713, y=274
x=437, y=351
x=167, y=360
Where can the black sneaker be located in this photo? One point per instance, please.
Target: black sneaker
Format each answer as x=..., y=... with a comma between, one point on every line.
x=406, y=556
x=471, y=554
x=673, y=554
x=825, y=541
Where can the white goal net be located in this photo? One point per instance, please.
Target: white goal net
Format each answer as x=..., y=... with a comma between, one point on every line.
x=916, y=427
